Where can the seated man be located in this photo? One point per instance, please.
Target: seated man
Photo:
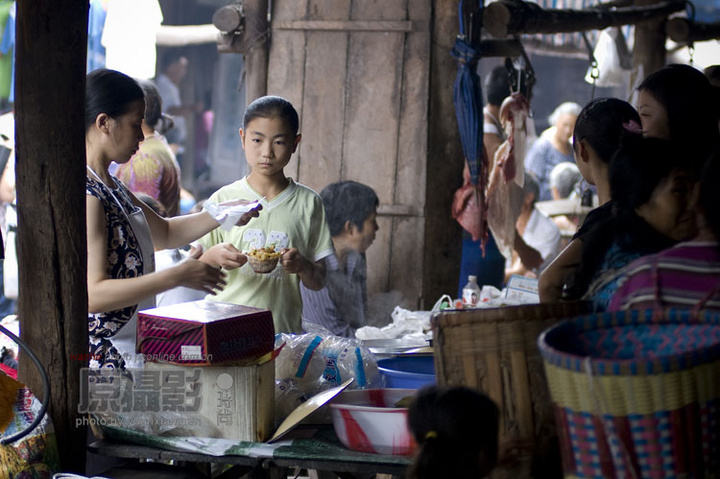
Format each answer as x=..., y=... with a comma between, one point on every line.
x=537, y=230
x=564, y=181
x=340, y=307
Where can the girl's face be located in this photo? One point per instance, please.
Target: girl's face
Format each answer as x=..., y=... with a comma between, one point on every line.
x=653, y=116
x=670, y=209
x=125, y=132
x=565, y=126
x=268, y=143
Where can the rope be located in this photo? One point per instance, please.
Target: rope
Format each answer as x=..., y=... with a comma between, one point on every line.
x=46, y=390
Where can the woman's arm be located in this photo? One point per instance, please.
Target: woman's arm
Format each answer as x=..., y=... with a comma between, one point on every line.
x=106, y=294
x=552, y=279
x=182, y=230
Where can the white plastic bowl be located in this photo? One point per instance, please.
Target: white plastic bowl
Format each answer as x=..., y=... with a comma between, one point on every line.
x=368, y=421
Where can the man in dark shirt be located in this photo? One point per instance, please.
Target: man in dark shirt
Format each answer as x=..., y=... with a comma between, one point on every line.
x=341, y=306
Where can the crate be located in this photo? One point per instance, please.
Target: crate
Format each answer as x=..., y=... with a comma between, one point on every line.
x=239, y=401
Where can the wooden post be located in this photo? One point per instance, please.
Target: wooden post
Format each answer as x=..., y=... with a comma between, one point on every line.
x=445, y=161
x=51, y=45
x=649, y=52
x=257, y=31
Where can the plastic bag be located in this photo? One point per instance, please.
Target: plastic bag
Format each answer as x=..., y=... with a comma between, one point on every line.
x=612, y=59
x=406, y=324
x=311, y=363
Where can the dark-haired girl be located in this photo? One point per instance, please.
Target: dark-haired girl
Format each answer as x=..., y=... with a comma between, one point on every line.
x=456, y=429
x=598, y=130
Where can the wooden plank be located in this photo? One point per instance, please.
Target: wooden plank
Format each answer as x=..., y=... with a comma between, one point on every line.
x=399, y=210
x=324, y=98
x=378, y=257
x=411, y=171
x=406, y=266
x=373, y=101
x=286, y=65
x=366, y=26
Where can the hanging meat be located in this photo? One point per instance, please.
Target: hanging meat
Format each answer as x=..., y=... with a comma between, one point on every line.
x=505, y=193
x=469, y=207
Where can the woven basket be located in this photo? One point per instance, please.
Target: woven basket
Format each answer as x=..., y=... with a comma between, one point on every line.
x=636, y=393
x=495, y=350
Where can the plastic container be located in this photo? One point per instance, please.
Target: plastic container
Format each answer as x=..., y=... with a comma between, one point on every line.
x=410, y=372
x=368, y=420
x=471, y=293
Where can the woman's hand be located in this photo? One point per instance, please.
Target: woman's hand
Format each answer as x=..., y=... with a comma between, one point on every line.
x=245, y=218
x=224, y=255
x=200, y=275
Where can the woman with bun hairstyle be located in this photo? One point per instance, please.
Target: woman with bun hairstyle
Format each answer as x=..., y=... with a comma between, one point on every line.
x=598, y=130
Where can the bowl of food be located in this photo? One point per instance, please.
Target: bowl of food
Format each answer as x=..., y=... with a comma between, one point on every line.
x=374, y=420
x=263, y=260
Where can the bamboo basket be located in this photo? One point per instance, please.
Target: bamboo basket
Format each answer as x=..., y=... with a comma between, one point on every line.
x=636, y=393
x=495, y=350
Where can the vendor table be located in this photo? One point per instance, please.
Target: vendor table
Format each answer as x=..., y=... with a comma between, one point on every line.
x=321, y=452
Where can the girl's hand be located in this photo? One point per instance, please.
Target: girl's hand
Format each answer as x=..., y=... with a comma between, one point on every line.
x=224, y=255
x=199, y=275
x=292, y=261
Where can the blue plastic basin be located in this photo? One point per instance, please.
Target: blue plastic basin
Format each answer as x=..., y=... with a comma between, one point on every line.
x=410, y=372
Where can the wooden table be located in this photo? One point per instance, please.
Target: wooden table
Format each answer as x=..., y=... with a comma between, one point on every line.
x=322, y=452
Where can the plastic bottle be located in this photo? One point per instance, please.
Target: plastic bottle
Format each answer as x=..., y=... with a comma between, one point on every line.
x=471, y=293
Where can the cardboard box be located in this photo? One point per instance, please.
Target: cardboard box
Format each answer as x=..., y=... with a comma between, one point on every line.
x=204, y=332
x=236, y=402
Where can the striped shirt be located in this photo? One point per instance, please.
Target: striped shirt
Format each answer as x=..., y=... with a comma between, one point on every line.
x=684, y=276
x=340, y=307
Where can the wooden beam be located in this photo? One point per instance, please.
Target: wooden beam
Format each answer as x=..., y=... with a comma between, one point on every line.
x=346, y=25
x=182, y=35
x=52, y=245
x=682, y=30
x=510, y=17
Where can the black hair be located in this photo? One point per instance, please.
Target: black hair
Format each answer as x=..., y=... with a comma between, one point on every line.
x=170, y=56
x=497, y=85
x=531, y=186
x=110, y=92
x=710, y=192
x=153, y=103
x=452, y=427
x=603, y=122
x=692, y=107
x=639, y=166
x=713, y=75
x=272, y=107
x=348, y=200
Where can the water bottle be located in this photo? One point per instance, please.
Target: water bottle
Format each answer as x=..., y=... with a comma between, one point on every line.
x=471, y=293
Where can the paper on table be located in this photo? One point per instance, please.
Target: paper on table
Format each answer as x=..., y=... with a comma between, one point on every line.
x=228, y=214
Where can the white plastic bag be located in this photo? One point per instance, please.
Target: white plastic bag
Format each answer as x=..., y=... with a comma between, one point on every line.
x=611, y=61
x=10, y=263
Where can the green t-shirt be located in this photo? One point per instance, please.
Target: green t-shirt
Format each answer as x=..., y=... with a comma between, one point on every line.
x=293, y=219
x=6, y=61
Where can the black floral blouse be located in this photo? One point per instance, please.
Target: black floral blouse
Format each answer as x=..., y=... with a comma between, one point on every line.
x=124, y=261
